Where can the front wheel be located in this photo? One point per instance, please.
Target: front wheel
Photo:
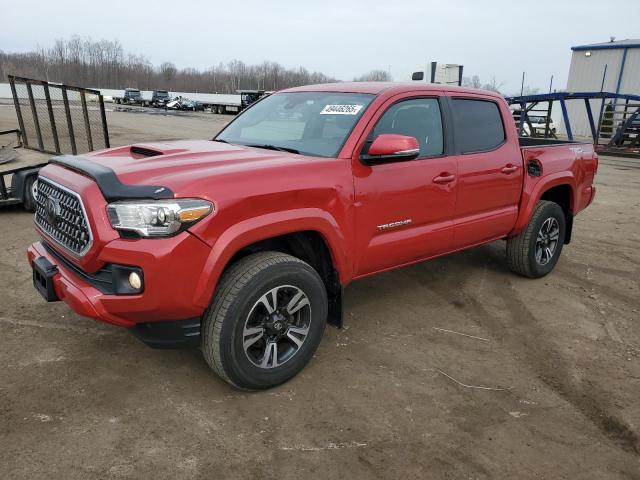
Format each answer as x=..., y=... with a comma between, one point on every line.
x=266, y=320
x=535, y=252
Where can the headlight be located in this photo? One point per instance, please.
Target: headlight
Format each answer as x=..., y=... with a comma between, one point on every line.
x=157, y=218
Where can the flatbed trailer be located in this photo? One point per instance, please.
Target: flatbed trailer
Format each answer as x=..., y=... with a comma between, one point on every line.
x=18, y=177
x=222, y=103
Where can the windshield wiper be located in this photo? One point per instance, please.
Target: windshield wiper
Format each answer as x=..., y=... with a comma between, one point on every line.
x=273, y=147
x=219, y=140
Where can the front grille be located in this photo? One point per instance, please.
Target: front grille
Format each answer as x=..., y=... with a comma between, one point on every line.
x=61, y=215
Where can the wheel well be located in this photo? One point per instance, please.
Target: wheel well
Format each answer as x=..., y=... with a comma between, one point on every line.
x=310, y=247
x=562, y=195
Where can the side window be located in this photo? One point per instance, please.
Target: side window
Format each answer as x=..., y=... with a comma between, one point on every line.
x=477, y=125
x=419, y=118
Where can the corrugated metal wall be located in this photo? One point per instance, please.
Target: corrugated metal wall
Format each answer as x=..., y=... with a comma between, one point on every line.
x=631, y=78
x=585, y=75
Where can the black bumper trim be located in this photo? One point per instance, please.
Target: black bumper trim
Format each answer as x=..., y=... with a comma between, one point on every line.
x=43, y=273
x=112, y=279
x=109, y=183
x=169, y=334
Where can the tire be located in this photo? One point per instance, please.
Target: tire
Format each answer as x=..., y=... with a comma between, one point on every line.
x=535, y=252
x=238, y=314
x=30, y=188
x=220, y=110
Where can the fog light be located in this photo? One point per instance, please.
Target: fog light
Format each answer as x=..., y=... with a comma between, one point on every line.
x=135, y=281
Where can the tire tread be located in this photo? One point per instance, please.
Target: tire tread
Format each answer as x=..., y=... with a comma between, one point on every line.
x=518, y=246
x=228, y=289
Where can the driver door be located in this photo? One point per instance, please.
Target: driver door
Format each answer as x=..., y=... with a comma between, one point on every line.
x=404, y=209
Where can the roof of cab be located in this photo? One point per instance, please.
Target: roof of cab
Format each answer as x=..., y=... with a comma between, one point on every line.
x=377, y=88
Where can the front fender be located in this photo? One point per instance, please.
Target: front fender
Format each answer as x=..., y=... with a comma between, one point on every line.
x=267, y=226
x=533, y=190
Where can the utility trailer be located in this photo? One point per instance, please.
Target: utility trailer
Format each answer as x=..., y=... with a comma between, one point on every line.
x=53, y=119
x=19, y=171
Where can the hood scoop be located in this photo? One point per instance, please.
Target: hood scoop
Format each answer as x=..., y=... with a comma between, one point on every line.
x=139, y=152
x=145, y=151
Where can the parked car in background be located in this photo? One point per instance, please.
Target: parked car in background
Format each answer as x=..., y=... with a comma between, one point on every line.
x=185, y=104
x=243, y=245
x=538, y=125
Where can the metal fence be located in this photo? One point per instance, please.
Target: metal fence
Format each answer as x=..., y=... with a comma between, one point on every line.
x=56, y=118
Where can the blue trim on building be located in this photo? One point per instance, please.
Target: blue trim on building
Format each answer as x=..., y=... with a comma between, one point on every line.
x=624, y=60
x=606, y=46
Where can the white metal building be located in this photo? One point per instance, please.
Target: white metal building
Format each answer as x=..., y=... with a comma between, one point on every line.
x=612, y=66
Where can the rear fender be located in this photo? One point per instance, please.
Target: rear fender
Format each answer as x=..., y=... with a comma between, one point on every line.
x=264, y=227
x=533, y=190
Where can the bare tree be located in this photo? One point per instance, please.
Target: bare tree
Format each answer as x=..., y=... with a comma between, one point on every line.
x=374, y=76
x=105, y=64
x=473, y=82
x=493, y=85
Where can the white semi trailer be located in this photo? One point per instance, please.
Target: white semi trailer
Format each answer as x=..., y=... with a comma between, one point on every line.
x=434, y=72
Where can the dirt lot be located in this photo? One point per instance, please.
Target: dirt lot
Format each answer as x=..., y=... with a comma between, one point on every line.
x=381, y=399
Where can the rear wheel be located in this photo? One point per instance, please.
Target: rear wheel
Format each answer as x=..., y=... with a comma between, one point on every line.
x=266, y=320
x=535, y=252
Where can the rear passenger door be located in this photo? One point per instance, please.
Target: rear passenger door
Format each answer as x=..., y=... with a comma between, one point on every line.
x=489, y=170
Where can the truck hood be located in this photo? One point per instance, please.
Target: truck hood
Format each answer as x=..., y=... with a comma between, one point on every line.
x=187, y=166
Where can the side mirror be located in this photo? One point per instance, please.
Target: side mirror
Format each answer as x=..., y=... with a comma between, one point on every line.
x=389, y=147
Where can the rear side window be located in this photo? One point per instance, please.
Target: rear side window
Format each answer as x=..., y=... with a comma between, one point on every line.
x=477, y=125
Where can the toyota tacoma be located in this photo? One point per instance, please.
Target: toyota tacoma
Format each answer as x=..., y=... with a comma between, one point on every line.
x=242, y=245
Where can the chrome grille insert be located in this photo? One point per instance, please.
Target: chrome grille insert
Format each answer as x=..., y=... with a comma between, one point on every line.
x=61, y=215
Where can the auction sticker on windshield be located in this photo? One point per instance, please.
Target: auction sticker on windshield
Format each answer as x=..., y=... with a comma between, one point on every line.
x=341, y=110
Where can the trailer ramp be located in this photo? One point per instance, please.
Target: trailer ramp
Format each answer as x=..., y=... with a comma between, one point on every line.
x=56, y=118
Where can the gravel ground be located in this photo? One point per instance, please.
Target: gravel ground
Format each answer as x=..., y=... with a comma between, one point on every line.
x=392, y=394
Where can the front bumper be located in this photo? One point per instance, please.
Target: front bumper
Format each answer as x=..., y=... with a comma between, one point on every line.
x=171, y=270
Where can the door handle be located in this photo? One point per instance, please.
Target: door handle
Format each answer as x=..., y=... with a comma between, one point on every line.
x=509, y=168
x=444, y=178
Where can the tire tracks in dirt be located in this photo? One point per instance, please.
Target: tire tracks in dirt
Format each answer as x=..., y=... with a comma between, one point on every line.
x=532, y=342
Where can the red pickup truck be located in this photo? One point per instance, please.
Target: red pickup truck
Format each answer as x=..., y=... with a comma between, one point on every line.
x=243, y=245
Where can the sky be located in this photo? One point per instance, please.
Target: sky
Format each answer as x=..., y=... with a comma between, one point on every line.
x=341, y=38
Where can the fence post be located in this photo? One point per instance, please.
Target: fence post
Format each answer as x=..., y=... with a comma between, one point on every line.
x=87, y=126
x=34, y=112
x=67, y=111
x=565, y=116
x=52, y=119
x=103, y=116
x=16, y=104
x=592, y=125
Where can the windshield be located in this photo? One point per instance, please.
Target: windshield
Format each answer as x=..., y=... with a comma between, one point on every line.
x=310, y=123
x=161, y=93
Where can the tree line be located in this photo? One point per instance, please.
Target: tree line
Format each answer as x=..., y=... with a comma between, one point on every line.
x=105, y=64
x=81, y=61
